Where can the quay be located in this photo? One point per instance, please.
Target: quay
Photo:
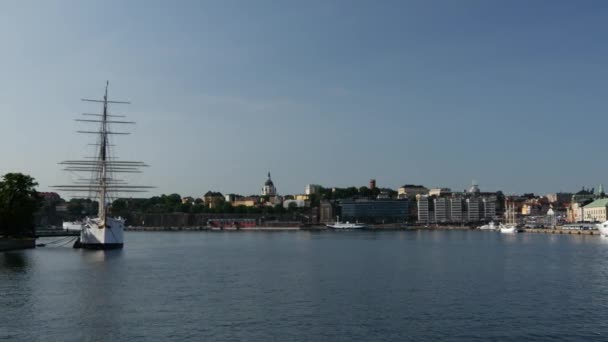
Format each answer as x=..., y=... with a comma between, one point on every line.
x=561, y=231
x=56, y=233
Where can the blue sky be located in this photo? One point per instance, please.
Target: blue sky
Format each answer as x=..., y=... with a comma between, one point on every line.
x=509, y=93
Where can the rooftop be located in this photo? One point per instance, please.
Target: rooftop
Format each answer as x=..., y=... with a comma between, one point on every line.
x=600, y=203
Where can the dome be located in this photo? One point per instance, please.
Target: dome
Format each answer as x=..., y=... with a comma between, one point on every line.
x=269, y=182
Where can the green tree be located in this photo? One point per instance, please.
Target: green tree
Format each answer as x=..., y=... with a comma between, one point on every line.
x=365, y=192
x=18, y=203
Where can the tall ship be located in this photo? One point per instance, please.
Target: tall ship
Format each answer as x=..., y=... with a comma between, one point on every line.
x=98, y=178
x=510, y=227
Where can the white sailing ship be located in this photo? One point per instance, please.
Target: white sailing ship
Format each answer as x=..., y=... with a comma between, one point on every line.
x=510, y=227
x=103, y=231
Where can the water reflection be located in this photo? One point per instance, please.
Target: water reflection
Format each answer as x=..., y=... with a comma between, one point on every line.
x=16, y=261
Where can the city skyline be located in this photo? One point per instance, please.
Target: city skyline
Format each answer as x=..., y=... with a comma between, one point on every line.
x=324, y=92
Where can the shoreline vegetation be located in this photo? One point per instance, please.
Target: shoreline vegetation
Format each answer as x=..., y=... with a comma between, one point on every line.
x=18, y=203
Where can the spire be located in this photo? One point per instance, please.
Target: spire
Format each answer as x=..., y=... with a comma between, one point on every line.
x=268, y=174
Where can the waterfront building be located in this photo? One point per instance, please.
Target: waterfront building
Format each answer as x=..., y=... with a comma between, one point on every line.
x=269, y=189
x=296, y=203
x=489, y=207
x=442, y=209
x=424, y=209
x=187, y=200
x=374, y=210
x=579, y=200
x=246, y=201
x=213, y=199
x=531, y=209
x=384, y=194
x=312, y=189
x=326, y=212
x=596, y=211
x=440, y=192
x=456, y=209
x=304, y=197
x=474, y=209
x=474, y=189
x=410, y=191
x=559, y=197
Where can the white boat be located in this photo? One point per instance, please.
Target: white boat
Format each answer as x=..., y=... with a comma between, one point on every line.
x=603, y=228
x=345, y=225
x=103, y=231
x=510, y=227
x=489, y=226
x=73, y=225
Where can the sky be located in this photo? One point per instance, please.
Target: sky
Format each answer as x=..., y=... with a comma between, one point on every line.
x=511, y=94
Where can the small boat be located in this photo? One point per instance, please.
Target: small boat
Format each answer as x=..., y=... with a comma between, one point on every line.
x=489, y=226
x=508, y=229
x=74, y=225
x=603, y=228
x=345, y=225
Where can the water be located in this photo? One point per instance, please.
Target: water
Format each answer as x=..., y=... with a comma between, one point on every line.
x=303, y=286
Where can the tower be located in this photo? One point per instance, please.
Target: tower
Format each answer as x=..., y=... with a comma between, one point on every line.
x=269, y=188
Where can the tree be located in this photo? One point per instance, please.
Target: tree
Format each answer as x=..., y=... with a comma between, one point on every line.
x=365, y=192
x=18, y=203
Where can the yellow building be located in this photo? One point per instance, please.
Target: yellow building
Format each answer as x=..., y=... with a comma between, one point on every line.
x=411, y=191
x=246, y=201
x=301, y=197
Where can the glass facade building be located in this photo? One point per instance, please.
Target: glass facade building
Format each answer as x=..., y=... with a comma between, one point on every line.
x=374, y=211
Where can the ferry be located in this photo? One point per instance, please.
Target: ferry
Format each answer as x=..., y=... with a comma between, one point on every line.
x=346, y=225
x=603, y=228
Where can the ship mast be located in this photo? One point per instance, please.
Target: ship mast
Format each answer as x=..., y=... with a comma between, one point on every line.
x=103, y=153
x=103, y=167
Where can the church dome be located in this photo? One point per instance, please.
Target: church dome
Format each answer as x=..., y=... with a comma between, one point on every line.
x=269, y=189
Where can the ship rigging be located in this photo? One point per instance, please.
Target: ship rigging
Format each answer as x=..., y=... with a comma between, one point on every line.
x=103, y=182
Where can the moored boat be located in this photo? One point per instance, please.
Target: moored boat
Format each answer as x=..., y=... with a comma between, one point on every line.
x=603, y=228
x=510, y=227
x=345, y=225
x=72, y=225
x=103, y=231
x=489, y=226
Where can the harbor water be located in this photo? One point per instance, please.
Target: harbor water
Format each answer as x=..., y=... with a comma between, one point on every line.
x=311, y=286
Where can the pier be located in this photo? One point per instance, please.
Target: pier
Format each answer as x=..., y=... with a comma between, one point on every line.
x=56, y=233
x=561, y=231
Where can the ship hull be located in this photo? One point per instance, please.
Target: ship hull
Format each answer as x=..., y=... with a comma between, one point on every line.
x=508, y=229
x=342, y=227
x=603, y=230
x=93, y=236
